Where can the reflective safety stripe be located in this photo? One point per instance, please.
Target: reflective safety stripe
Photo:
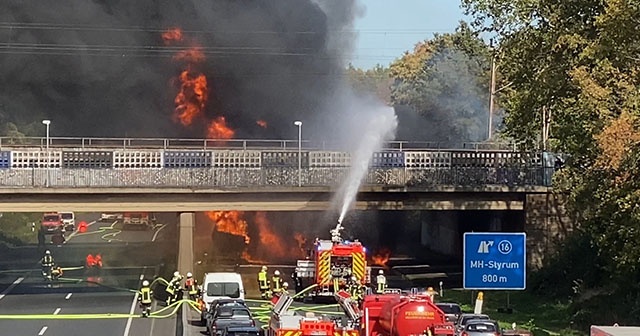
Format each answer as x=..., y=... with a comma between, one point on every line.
x=359, y=266
x=324, y=268
x=145, y=293
x=276, y=283
x=291, y=333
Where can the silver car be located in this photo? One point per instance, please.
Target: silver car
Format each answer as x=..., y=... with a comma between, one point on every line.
x=481, y=328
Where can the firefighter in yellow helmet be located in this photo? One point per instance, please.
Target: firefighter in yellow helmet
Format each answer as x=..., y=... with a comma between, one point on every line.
x=144, y=297
x=263, y=283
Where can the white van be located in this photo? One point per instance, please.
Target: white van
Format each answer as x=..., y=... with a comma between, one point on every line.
x=221, y=285
x=68, y=220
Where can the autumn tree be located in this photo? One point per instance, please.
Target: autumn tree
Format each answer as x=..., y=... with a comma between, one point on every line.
x=376, y=81
x=445, y=82
x=579, y=60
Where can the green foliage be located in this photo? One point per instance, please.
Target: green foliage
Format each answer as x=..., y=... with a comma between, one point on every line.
x=445, y=81
x=579, y=60
x=376, y=81
x=15, y=228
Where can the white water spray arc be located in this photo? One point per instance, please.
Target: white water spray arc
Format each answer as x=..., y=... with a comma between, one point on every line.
x=380, y=127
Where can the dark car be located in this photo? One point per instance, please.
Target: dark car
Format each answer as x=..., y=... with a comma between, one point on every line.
x=219, y=303
x=241, y=331
x=481, y=328
x=451, y=310
x=463, y=319
x=229, y=316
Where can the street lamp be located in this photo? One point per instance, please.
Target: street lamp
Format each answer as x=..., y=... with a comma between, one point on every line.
x=47, y=122
x=299, y=124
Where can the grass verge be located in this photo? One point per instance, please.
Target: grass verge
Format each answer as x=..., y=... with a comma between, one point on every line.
x=530, y=312
x=16, y=229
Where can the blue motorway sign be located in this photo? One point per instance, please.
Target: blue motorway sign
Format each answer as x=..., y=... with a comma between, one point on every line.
x=494, y=260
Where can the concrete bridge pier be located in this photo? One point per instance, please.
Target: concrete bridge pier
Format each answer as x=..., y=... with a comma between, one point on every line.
x=186, y=224
x=440, y=231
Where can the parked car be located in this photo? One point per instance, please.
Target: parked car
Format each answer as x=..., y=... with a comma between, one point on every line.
x=213, y=306
x=481, y=328
x=241, y=331
x=463, y=319
x=229, y=316
x=451, y=310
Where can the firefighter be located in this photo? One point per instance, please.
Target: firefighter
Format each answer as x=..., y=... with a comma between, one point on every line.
x=297, y=281
x=381, y=282
x=285, y=288
x=47, y=264
x=98, y=260
x=353, y=288
x=90, y=261
x=263, y=283
x=191, y=286
x=276, y=281
x=144, y=297
x=173, y=287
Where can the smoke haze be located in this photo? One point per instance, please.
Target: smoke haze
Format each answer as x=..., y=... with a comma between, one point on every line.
x=100, y=68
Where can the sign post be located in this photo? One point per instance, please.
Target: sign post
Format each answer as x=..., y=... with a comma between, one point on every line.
x=494, y=260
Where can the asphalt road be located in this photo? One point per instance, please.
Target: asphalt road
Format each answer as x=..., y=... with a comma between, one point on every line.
x=85, y=302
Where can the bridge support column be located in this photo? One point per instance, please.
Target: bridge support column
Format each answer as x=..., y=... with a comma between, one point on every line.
x=186, y=225
x=440, y=231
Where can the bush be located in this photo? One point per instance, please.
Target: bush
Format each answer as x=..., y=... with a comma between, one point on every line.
x=15, y=228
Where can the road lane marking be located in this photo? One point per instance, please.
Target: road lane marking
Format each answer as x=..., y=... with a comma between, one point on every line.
x=13, y=285
x=68, y=296
x=43, y=330
x=133, y=307
x=57, y=311
x=155, y=235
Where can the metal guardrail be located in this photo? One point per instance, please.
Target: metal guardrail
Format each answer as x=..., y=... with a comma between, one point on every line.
x=269, y=177
x=255, y=144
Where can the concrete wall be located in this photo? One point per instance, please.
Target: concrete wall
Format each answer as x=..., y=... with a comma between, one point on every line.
x=547, y=223
x=440, y=232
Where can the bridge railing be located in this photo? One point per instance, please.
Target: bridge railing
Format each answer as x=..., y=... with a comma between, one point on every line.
x=256, y=144
x=269, y=177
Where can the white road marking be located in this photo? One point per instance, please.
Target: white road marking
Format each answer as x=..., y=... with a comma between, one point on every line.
x=68, y=296
x=155, y=235
x=75, y=232
x=43, y=330
x=13, y=285
x=133, y=308
x=57, y=311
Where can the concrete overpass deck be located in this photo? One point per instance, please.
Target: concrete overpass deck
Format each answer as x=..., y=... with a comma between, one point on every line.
x=102, y=199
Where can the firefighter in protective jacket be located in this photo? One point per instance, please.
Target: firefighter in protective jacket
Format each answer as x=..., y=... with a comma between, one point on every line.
x=263, y=283
x=276, y=281
x=191, y=286
x=381, y=282
x=173, y=288
x=144, y=297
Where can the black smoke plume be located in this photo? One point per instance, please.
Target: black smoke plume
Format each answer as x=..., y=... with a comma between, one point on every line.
x=100, y=68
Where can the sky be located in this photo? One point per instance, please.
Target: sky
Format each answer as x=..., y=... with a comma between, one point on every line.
x=388, y=28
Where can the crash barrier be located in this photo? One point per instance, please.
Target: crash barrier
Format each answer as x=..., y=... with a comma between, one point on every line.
x=239, y=168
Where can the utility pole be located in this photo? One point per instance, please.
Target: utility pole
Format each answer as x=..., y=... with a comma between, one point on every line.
x=546, y=122
x=492, y=94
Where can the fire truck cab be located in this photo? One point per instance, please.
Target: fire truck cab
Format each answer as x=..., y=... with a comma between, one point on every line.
x=284, y=322
x=332, y=264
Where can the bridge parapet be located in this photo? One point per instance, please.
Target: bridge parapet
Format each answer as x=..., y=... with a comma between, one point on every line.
x=270, y=177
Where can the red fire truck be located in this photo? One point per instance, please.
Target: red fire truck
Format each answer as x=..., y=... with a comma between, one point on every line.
x=52, y=222
x=332, y=264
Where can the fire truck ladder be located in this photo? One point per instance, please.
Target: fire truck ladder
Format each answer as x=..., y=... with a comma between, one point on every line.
x=349, y=307
x=283, y=304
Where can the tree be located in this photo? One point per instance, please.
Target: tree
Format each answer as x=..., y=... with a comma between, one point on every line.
x=445, y=81
x=375, y=81
x=579, y=60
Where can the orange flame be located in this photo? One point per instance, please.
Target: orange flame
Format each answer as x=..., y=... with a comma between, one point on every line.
x=218, y=129
x=262, y=123
x=230, y=222
x=171, y=35
x=192, y=97
x=268, y=239
x=381, y=258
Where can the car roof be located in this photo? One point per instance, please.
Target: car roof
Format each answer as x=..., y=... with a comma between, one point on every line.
x=447, y=304
x=222, y=277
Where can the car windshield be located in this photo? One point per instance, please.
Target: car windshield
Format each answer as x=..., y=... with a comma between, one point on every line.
x=474, y=317
x=450, y=309
x=51, y=218
x=229, y=289
x=243, y=333
x=67, y=216
x=481, y=327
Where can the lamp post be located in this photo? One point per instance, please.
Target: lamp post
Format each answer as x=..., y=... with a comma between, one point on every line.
x=47, y=122
x=299, y=124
